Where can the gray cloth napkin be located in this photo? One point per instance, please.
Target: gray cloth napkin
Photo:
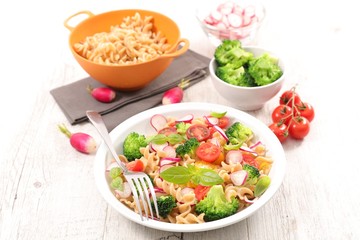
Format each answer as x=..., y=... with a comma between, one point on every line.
x=74, y=99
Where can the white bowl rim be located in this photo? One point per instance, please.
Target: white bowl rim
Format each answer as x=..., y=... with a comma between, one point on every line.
x=279, y=162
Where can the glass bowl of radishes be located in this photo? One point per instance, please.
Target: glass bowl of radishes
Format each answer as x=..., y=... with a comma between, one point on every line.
x=234, y=20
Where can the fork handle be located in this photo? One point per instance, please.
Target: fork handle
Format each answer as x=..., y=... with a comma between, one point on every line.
x=98, y=122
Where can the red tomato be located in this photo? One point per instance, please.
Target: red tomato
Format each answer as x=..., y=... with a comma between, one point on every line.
x=306, y=110
x=223, y=122
x=135, y=166
x=250, y=159
x=282, y=113
x=280, y=130
x=168, y=130
x=299, y=127
x=208, y=152
x=288, y=97
x=201, y=191
x=198, y=131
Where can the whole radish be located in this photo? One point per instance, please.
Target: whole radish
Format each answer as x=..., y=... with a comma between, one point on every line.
x=176, y=94
x=80, y=141
x=102, y=94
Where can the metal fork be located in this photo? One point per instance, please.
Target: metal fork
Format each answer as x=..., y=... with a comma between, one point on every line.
x=139, y=182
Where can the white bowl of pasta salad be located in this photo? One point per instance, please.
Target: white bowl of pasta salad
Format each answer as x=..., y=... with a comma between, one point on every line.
x=219, y=165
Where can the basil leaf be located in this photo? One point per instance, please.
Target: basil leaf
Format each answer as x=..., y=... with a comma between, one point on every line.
x=175, y=138
x=177, y=175
x=262, y=185
x=208, y=177
x=217, y=114
x=158, y=139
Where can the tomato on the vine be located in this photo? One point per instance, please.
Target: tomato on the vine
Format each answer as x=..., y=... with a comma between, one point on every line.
x=280, y=130
x=299, y=127
x=282, y=113
x=289, y=97
x=306, y=110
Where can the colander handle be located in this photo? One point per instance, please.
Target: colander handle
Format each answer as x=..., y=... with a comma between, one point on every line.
x=179, y=51
x=66, y=22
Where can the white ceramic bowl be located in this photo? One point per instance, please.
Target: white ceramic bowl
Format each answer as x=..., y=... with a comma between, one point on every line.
x=248, y=98
x=140, y=123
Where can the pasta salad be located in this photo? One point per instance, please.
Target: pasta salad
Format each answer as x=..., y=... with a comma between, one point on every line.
x=203, y=168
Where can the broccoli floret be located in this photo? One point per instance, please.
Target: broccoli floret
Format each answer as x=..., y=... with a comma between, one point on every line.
x=235, y=76
x=188, y=147
x=238, y=134
x=253, y=173
x=264, y=69
x=132, y=144
x=230, y=51
x=215, y=206
x=165, y=203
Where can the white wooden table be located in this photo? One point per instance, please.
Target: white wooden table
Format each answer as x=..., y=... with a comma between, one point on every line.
x=47, y=189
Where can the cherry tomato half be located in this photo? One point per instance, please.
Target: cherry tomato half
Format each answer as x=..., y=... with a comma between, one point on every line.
x=198, y=131
x=224, y=122
x=282, y=113
x=201, y=191
x=306, y=110
x=288, y=97
x=135, y=166
x=208, y=152
x=299, y=127
x=250, y=159
x=168, y=130
x=280, y=131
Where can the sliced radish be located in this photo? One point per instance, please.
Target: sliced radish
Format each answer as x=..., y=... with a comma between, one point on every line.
x=239, y=177
x=234, y=20
x=187, y=119
x=222, y=133
x=169, y=161
x=158, y=122
x=250, y=11
x=255, y=144
x=249, y=150
x=126, y=191
x=215, y=141
x=216, y=16
x=211, y=120
x=246, y=21
x=164, y=167
x=233, y=157
x=158, y=147
x=170, y=151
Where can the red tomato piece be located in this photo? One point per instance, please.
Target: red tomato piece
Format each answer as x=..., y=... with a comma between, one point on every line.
x=282, y=113
x=198, y=131
x=224, y=122
x=135, y=166
x=280, y=130
x=289, y=97
x=306, y=110
x=250, y=159
x=201, y=191
x=299, y=127
x=168, y=130
x=208, y=152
